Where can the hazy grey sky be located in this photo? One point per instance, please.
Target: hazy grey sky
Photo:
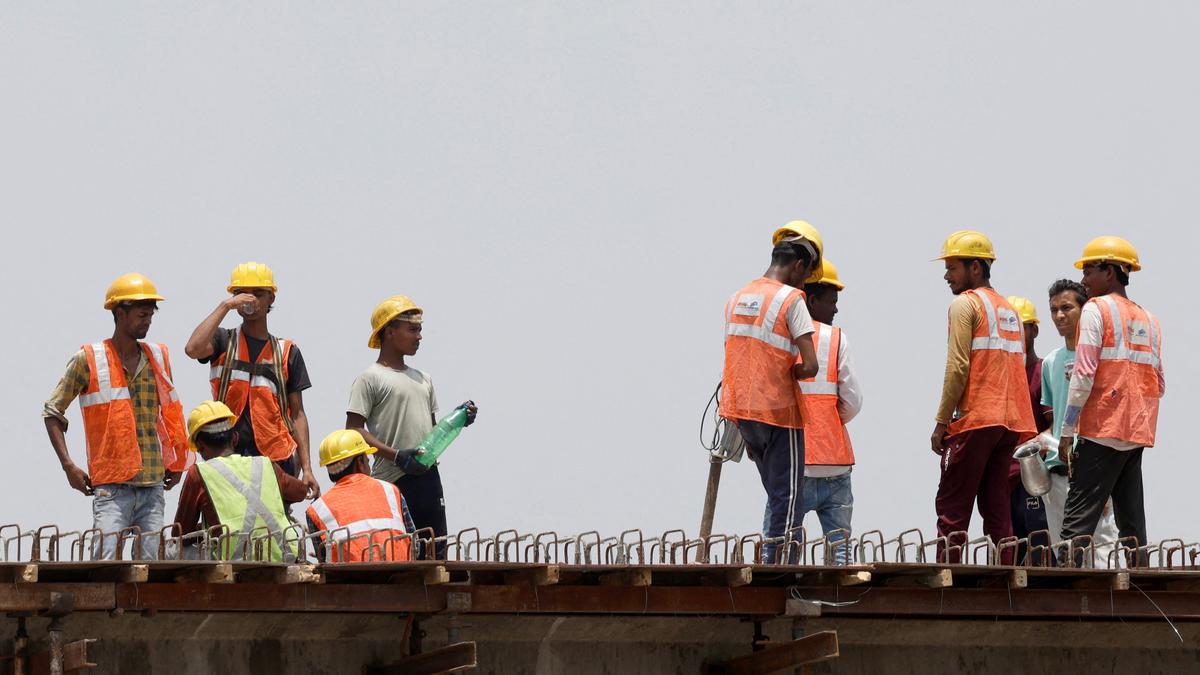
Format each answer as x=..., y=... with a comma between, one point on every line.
x=572, y=191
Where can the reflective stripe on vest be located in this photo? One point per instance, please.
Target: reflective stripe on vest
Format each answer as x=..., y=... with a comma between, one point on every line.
x=214, y=373
x=1120, y=351
x=255, y=508
x=343, y=531
x=156, y=353
x=766, y=330
x=994, y=340
x=826, y=379
x=106, y=392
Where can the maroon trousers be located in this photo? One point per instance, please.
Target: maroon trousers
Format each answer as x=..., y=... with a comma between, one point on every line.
x=975, y=467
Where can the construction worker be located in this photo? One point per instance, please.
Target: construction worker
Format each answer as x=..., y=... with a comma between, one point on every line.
x=1028, y=511
x=1067, y=298
x=367, y=518
x=245, y=494
x=766, y=326
x=132, y=420
x=831, y=399
x=985, y=410
x=1112, y=402
x=263, y=383
x=393, y=406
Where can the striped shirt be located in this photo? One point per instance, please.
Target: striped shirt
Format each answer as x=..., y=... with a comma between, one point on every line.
x=143, y=392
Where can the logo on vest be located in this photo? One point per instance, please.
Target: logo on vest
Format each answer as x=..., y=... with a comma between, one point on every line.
x=748, y=305
x=1008, y=320
x=1138, y=333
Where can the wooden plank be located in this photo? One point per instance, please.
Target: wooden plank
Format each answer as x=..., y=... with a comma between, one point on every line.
x=1115, y=581
x=807, y=650
x=426, y=576
x=133, y=573
x=741, y=576
x=75, y=658
x=282, y=574
x=454, y=658
x=544, y=575
x=1018, y=579
x=926, y=577
x=209, y=573
x=641, y=576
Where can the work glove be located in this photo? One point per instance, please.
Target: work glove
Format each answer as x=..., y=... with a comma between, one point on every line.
x=469, y=406
x=407, y=461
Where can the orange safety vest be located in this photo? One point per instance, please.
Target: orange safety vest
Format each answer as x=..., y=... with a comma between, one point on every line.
x=360, y=512
x=250, y=386
x=1125, y=392
x=757, y=383
x=114, y=455
x=825, y=437
x=997, y=392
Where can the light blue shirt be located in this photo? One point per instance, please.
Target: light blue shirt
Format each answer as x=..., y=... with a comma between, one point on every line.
x=1056, y=380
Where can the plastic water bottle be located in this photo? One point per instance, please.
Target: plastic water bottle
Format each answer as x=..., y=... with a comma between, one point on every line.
x=441, y=436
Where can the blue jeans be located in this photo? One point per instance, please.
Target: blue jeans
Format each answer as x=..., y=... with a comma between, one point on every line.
x=833, y=501
x=116, y=507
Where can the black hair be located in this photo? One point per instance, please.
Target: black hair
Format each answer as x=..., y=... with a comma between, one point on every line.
x=1122, y=275
x=130, y=304
x=817, y=290
x=215, y=439
x=788, y=253
x=985, y=268
x=1065, y=285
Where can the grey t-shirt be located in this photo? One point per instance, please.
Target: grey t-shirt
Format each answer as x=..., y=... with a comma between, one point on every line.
x=399, y=406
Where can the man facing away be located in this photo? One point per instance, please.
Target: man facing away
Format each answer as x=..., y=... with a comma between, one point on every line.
x=393, y=406
x=245, y=494
x=132, y=420
x=363, y=518
x=766, y=326
x=831, y=399
x=985, y=410
x=1067, y=298
x=264, y=379
x=1112, y=402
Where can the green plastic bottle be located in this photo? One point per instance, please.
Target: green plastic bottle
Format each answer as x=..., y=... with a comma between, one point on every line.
x=441, y=436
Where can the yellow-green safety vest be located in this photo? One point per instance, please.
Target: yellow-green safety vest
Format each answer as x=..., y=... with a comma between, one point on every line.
x=245, y=494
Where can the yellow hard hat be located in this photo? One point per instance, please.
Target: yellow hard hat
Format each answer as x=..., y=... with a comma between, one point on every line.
x=1025, y=308
x=214, y=414
x=343, y=444
x=387, y=311
x=1110, y=249
x=128, y=288
x=967, y=244
x=826, y=274
x=252, y=275
x=800, y=228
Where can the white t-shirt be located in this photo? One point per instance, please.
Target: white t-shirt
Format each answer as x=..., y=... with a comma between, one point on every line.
x=399, y=406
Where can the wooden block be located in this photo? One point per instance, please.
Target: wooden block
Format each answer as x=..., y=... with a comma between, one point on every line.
x=939, y=579
x=796, y=607
x=288, y=574
x=427, y=576
x=214, y=573
x=538, y=576
x=1117, y=581
x=1018, y=579
x=741, y=576
x=134, y=573
x=635, y=577
x=19, y=574
x=853, y=578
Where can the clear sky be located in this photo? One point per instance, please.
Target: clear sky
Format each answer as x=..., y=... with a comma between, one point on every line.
x=572, y=190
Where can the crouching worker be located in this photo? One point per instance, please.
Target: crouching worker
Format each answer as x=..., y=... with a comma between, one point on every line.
x=362, y=518
x=245, y=494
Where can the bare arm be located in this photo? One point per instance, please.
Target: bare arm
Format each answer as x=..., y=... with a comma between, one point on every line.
x=807, y=367
x=359, y=423
x=199, y=345
x=77, y=477
x=300, y=428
